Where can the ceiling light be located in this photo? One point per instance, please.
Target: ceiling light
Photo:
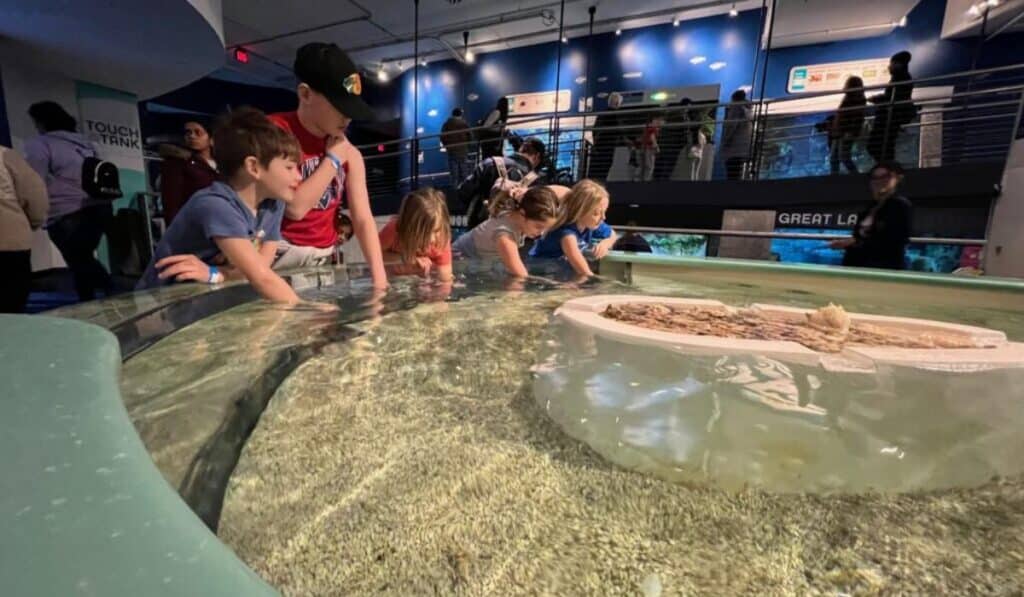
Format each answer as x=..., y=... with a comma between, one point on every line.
x=470, y=56
x=565, y=40
x=716, y=65
x=618, y=32
x=382, y=75
x=423, y=62
x=733, y=12
x=903, y=21
x=675, y=22
x=698, y=59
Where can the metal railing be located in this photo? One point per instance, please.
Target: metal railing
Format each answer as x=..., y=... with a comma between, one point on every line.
x=920, y=240
x=957, y=118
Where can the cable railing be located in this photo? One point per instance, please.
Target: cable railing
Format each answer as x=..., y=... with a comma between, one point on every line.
x=950, y=119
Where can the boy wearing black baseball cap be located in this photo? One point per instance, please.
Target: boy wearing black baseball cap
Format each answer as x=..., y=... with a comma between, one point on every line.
x=329, y=91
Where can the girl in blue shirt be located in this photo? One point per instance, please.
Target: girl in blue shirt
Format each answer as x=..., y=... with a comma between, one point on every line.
x=581, y=228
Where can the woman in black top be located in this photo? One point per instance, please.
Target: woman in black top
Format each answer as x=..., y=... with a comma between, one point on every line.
x=882, y=231
x=847, y=125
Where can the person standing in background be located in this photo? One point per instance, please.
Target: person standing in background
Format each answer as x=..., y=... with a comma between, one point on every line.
x=648, y=149
x=894, y=110
x=736, y=134
x=185, y=171
x=882, y=231
x=846, y=126
x=23, y=208
x=76, y=222
x=492, y=136
x=456, y=137
x=333, y=170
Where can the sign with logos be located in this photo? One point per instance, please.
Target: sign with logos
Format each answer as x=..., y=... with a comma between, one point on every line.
x=832, y=76
x=542, y=102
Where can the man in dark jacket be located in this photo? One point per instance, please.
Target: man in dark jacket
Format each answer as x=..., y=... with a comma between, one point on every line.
x=476, y=189
x=456, y=138
x=894, y=110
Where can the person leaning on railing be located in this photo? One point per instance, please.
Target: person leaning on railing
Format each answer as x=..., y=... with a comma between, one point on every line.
x=456, y=137
x=882, y=231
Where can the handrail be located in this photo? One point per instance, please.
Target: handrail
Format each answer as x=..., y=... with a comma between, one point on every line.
x=924, y=240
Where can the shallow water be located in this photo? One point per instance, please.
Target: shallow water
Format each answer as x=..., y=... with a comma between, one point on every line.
x=415, y=459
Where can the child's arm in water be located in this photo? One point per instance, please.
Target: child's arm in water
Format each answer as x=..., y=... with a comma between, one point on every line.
x=508, y=250
x=255, y=267
x=363, y=224
x=574, y=256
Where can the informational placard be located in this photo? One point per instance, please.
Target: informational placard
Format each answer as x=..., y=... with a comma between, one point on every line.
x=831, y=76
x=542, y=102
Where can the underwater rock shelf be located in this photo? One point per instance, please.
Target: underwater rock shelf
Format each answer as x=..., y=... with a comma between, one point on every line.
x=802, y=401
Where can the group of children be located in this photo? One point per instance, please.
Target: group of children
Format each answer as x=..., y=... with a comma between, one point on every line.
x=272, y=178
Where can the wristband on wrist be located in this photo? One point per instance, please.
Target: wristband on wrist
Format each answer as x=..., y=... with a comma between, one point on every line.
x=215, y=276
x=334, y=160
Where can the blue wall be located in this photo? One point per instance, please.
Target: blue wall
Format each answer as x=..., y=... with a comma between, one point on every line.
x=662, y=53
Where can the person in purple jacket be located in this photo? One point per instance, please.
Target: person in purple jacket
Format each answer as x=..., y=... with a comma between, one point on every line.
x=76, y=222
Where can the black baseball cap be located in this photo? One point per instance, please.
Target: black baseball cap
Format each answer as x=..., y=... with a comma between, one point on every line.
x=329, y=70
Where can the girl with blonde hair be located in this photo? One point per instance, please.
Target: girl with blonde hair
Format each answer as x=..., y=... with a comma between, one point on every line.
x=418, y=240
x=580, y=228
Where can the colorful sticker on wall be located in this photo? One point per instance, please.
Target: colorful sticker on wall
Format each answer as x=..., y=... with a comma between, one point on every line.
x=832, y=76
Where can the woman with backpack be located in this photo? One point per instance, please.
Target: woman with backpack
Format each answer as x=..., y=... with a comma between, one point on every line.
x=77, y=221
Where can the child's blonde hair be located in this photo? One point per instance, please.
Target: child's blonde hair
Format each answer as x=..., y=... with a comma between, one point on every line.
x=584, y=197
x=538, y=203
x=423, y=211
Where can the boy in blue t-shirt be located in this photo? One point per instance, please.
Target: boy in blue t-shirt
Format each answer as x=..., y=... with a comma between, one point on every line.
x=235, y=223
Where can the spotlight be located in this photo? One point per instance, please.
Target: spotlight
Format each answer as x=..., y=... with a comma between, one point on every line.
x=470, y=56
x=675, y=22
x=734, y=13
x=565, y=40
x=423, y=62
x=382, y=75
x=903, y=21
x=618, y=32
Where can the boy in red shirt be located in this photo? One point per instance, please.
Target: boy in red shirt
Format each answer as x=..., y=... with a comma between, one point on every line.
x=332, y=168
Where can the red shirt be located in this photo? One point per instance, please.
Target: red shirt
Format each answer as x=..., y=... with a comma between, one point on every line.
x=316, y=228
x=389, y=242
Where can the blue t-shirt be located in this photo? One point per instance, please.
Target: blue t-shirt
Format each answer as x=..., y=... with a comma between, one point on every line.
x=214, y=212
x=550, y=245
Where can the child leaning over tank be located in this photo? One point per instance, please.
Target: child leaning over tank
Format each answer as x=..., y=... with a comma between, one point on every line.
x=511, y=222
x=418, y=240
x=580, y=230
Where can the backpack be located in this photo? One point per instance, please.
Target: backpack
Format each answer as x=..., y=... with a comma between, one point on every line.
x=504, y=184
x=100, y=179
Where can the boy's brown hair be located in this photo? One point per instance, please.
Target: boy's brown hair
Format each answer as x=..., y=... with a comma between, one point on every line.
x=246, y=132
